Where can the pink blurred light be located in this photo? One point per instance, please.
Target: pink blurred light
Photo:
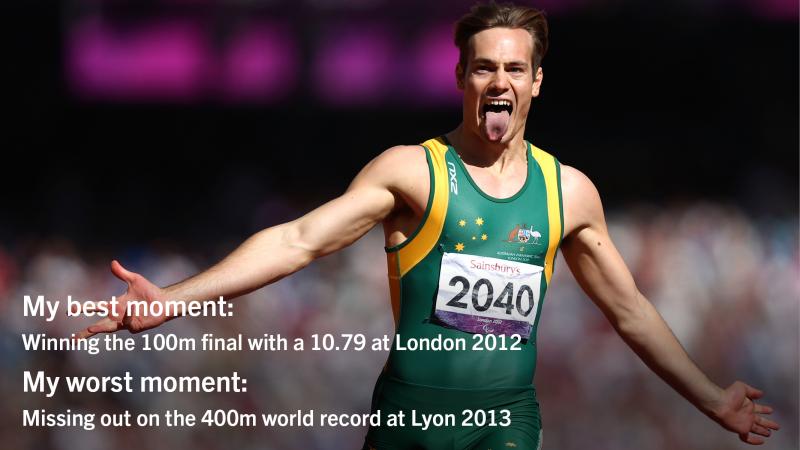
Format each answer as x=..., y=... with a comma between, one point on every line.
x=260, y=64
x=776, y=9
x=158, y=60
x=434, y=81
x=355, y=67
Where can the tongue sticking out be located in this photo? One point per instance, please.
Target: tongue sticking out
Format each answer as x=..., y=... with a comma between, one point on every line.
x=496, y=124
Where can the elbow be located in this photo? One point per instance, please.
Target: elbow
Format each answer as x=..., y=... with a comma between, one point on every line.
x=299, y=251
x=630, y=317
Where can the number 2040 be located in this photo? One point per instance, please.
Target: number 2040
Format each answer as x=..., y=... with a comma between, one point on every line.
x=505, y=300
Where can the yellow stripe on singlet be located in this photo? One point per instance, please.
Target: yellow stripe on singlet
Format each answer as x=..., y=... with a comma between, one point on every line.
x=551, y=182
x=426, y=238
x=394, y=285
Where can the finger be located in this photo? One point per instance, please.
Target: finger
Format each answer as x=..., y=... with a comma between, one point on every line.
x=752, y=392
x=751, y=439
x=121, y=272
x=763, y=421
x=105, y=326
x=77, y=309
x=83, y=334
x=117, y=312
x=763, y=409
x=101, y=326
x=758, y=429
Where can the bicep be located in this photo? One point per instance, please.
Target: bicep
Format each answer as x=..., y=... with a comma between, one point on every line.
x=341, y=221
x=371, y=197
x=600, y=271
x=590, y=253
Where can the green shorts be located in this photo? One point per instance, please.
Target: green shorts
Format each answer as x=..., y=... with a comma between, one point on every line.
x=495, y=419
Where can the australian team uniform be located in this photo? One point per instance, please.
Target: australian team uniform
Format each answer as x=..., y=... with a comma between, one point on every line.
x=475, y=270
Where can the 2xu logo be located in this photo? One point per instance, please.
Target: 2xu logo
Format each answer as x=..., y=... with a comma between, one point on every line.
x=451, y=168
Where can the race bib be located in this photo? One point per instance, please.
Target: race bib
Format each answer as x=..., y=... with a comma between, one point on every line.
x=478, y=294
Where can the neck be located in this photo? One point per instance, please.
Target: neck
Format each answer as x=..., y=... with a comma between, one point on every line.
x=477, y=151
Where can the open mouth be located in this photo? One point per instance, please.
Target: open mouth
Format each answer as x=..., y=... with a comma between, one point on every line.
x=496, y=118
x=497, y=106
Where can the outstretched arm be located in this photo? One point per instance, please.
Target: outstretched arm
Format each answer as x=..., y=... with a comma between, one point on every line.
x=276, y=252
x=603, y=275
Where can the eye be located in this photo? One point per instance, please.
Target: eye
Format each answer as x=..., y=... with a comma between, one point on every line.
x=482, y=69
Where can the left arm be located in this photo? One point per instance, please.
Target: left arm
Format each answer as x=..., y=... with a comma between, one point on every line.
x=603, y=275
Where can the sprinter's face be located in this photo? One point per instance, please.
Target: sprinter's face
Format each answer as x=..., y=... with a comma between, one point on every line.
x=499, y=83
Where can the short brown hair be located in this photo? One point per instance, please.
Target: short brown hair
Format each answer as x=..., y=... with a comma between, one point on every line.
x=506, y=15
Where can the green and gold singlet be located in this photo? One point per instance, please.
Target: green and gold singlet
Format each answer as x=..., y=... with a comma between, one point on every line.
x=468, y=287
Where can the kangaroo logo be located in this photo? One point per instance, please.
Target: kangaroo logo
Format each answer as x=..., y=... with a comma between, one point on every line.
x=522, y=235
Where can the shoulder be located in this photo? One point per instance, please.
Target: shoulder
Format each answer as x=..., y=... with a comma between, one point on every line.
x=398, y=162
x=396, y=167
x=401, y=156
x=576, y=183
x=582, y=205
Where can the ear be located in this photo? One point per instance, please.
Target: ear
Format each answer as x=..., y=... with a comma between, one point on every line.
x=460, y=77
x=537, y=82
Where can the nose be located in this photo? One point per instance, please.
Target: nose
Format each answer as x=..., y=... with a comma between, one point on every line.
x=500, y=82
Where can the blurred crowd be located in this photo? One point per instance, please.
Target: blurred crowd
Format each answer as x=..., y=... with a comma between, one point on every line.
x=727, y=284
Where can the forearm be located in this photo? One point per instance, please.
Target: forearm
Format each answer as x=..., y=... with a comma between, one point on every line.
x=646, y=332
x=265, y=257
x=601, y=272
x=279, y=251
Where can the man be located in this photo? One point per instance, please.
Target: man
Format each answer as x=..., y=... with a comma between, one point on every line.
x=472, y=221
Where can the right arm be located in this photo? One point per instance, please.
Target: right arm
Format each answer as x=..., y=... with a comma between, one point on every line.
x=278, y=251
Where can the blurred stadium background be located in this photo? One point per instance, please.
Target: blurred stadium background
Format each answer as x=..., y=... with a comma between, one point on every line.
x=164, y=132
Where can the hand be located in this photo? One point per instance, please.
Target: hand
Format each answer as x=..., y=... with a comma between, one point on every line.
x=738, y=412
x=139, y=288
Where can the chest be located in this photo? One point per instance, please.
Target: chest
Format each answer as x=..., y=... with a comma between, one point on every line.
x=514, y=228
x=507, y=231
